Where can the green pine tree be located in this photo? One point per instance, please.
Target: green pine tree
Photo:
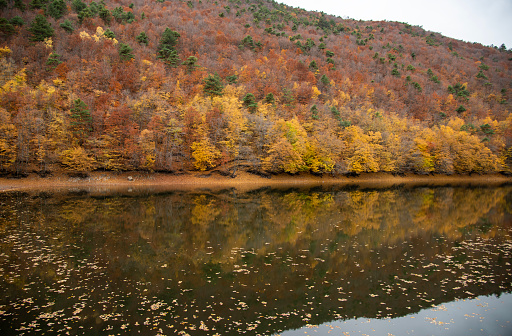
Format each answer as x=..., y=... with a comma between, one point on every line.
x=109, y=33
x=78, y=6
x=213, y=85
x=56, y=9
x=250, y=102
x=85, y=13
x=166, y=46
x=20, y=5
x=105, y=15
x=314, y=112
x=40, y=29
x=125, y=52
x=269, y=99
x=17, y=21
x=168, y=41
x=233, y=79
x=313, y=66
x=142, y=38
x=173, y=59
x=190, y=63
x=53, y=60
x=67, y=26
x=6, y=28
x=38, y=4
x=81, y=124
x=324, y=80
x=461, y=109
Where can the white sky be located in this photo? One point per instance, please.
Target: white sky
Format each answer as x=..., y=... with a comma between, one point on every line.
x=483, y=21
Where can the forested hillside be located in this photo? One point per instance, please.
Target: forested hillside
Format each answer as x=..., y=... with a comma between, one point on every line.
x=243, y=84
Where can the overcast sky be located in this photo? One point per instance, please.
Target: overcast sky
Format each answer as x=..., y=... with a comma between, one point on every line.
x=483, y=21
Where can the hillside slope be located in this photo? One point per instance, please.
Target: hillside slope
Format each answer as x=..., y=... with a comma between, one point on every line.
x=255, y=85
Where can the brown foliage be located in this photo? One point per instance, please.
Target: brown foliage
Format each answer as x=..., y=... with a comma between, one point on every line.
x=137, y=105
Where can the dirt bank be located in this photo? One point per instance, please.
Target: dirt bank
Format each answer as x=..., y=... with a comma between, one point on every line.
x=243, y=181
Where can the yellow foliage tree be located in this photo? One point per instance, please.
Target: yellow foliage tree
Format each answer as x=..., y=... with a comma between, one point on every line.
x=147, y=144
x=8, y=135
x=39, y=143
x=76, y=159
x=363, y=150
x=204, y=154
x=422, y=156
x=447, y=150
x=292, y=150
x=288, y=143
x=315, y=93
x=282, y=156
x=150, y=103
x=18, y=81
x=236, y=129
x=109, y=155
x=469, y=153
x=5, y=51
x=318, y=160
x=7, y=68
x=57, y=132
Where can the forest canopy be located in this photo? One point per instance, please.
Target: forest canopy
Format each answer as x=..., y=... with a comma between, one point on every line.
x=243, y=84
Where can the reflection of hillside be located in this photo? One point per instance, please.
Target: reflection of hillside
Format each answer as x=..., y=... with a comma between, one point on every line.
x=283, y=258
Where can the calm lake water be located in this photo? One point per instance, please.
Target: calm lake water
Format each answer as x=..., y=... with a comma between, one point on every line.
x=313, y=261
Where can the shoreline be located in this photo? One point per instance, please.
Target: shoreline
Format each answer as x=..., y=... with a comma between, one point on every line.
x=243, y=181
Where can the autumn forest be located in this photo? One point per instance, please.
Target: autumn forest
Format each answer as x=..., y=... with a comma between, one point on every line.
x=254, y=85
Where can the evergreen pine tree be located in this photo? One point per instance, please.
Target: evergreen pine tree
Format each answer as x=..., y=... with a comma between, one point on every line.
x=250, y=102
x=313, y=66
x=17, y=21
x=94, y=7
x=78, y=6
x=190, y=63
x=56, y=9
x=53, y=60
x=314, y=112
x=125, y=52
x=40, y=29
x=20, y=5
x=109, y=33
x=38, y=4
x=325, y=81
x=67, y=26
x=232, y=79
x=6, y=28
x=105, y=15
x=81, y=123
x=142, y=38
x=213, y=85
x=269, y=99
x=85, y=13
x=167, y=43
x=173, y=59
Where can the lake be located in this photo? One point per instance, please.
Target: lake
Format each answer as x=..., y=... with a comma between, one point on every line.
x=329, y=260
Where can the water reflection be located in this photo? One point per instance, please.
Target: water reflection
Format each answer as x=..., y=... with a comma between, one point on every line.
x=483, y=315
x=259, y=262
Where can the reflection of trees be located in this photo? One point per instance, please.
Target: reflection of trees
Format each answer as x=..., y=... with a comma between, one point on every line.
x=446, y=211
x=190, y=223
x=320, y=252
